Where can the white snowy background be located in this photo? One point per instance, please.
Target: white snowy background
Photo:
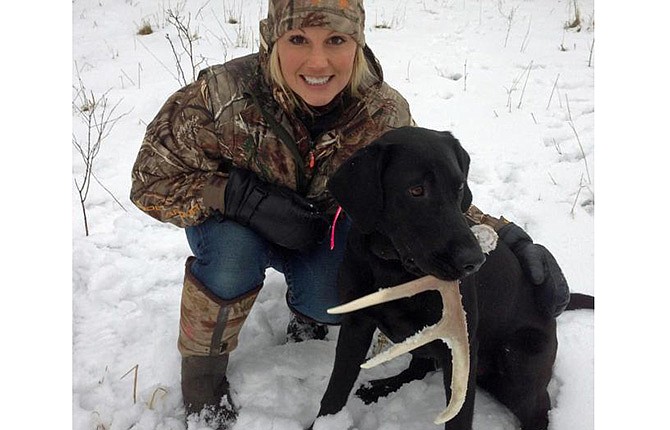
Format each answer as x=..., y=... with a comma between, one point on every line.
x=505, y=76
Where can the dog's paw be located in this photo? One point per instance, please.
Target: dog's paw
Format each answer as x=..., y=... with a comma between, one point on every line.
x=373, y=391
x=341, y=420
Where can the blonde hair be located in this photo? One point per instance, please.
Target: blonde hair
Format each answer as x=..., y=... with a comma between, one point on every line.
x=360, y=76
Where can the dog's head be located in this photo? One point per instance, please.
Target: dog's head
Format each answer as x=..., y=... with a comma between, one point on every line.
x=411, y=186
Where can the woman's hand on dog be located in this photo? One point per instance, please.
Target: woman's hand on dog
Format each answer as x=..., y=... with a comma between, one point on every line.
x=541, y=268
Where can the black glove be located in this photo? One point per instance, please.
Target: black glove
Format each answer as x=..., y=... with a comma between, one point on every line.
x=277, y=213
x=553, y=294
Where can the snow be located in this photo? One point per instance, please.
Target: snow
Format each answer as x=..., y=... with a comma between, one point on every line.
x=524, y=111
x=450, y=61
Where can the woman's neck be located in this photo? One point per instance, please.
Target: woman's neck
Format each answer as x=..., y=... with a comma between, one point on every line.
x=319, y=119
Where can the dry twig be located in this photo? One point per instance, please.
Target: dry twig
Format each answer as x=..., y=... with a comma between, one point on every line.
x=135, y=368
x=99, y=119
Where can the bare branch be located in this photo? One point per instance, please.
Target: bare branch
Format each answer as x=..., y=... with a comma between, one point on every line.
x=180, y=71
x=134, y=369
x=159, y=61
x=99, y=119
x=552, y=90
x=579, y=142
x=186, y=38
x=509, y=16
x=523, y=91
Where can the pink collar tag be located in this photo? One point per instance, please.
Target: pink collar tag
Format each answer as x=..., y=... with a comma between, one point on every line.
x=332, y=228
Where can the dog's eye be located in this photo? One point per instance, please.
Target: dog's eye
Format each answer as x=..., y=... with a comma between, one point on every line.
x=461, y=187
x=417, y=191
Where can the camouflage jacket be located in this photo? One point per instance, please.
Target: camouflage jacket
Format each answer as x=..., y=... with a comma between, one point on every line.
x=228, y=116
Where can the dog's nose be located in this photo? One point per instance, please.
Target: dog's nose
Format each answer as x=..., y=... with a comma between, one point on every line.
x=469, y=261
x=469, y=268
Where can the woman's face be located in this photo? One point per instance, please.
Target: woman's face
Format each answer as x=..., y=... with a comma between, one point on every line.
x=316, y=62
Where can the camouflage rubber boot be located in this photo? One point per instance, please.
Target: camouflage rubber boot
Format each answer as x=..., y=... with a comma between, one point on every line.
x=300, y=329
x=208, y=332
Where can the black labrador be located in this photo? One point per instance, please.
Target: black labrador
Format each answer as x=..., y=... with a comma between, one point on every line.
x=406, y=194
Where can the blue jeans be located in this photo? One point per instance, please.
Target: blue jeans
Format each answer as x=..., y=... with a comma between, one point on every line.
x=231, y=260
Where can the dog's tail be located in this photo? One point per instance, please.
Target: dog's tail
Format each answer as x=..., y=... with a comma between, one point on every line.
x=580, y=301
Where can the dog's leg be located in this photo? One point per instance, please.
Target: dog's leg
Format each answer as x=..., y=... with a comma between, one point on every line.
x=353, y=343
x=518, y=374
x=418, y=368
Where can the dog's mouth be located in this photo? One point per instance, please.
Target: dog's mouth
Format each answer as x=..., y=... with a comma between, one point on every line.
x=409, y=264
x=450, y=260
x=441, y=265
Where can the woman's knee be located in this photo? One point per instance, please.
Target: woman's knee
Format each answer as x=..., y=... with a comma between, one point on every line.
x=230, y=259
x=312, y=283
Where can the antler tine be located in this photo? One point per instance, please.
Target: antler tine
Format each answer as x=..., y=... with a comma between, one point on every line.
x=423, y=337
x=407, y=289
x=452, y=329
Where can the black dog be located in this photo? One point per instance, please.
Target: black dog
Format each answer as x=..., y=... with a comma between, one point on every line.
x=406, y=194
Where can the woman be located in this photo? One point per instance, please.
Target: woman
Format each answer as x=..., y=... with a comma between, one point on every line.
x=240, y=159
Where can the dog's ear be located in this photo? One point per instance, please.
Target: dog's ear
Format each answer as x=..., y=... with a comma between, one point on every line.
x=356, y=186
x=467, y=198
x=464, y=163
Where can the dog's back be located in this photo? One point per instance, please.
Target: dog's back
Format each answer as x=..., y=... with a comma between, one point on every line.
x=517, y=345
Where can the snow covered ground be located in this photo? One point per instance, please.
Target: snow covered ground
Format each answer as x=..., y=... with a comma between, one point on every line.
x=505, y=76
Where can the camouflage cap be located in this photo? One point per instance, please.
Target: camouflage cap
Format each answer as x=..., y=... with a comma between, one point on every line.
x=345, y=16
